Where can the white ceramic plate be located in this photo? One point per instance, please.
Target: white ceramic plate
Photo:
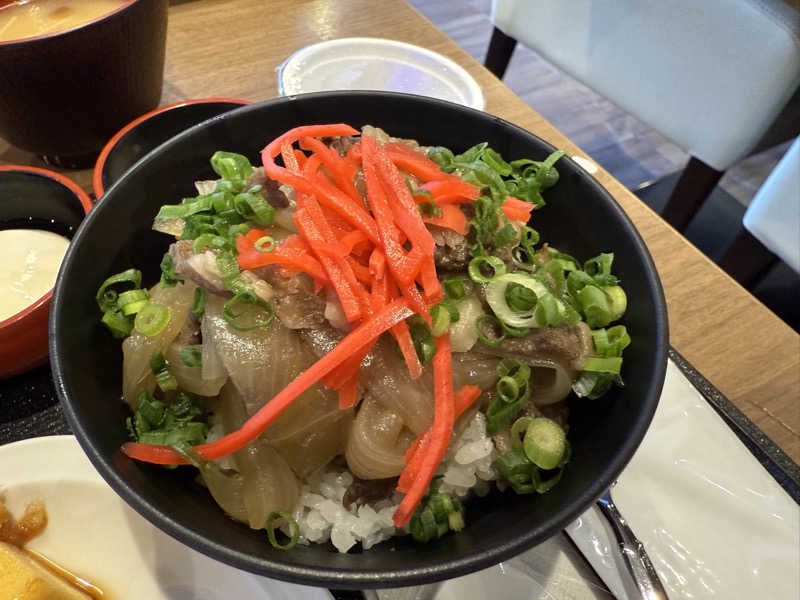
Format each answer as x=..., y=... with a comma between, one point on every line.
x=377, y=64
x=92, y=532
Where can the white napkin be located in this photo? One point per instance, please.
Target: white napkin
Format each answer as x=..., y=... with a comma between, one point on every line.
x=715, y=523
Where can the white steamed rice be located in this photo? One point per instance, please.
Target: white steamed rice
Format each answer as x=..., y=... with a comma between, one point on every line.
x=321, y=515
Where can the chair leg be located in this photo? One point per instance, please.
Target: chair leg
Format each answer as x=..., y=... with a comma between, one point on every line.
x=695, y=185
x=747, y=260
x=501, y=47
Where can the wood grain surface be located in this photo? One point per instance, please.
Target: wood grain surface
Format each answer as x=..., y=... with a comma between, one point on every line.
x=232, y=48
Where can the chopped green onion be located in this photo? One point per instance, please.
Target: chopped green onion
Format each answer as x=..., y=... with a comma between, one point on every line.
x=429, y=209
x=421, y=335
x=119, y=324
x=132, y=301
x=577, y=280
x=437, y=514
x=512, y=394
x=618, y=301
x=181, y=211
x=253, y=207
x=519, y=298
x=528, y=236
x=231, y=275
x=222, y=199
x=507, y=389
x=191, y=357
x=595, y=306
x=237, y=321
x=544, y=443
x=503, y=236
x=498, y=268
x=548, y=310
x=293, y=526
x=160, y=368
x=599, y=265
x=524, y=257
x=441, y=156
x=152, y=319
x=199, y=302
x=472, y=154
x=490, y=320
x=264, y=244
x=158, y=362
x=514, y=331
x=596, y=379
x=611, y=341
x=169, y=278
x=440, y=318
x=454, y=288
x=108, y=302
x=496, y=162
x=524, y=476
x=546, y=175
x=232, y=167
x=166, y=381
x=154, y=422
x=518, y=430
x=518, y=470
x=209, y=240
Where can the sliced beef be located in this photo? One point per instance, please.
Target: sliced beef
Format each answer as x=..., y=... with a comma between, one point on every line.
x=452, y=251
x=294, y=300
x=202, y=269
x=342, y=143
x=198, y=268
x=322, y=339
x=570, y=345
x=270, y=189
x=190, y=334
x=367, y=491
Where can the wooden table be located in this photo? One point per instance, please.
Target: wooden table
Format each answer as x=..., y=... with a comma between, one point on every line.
x=232, y=47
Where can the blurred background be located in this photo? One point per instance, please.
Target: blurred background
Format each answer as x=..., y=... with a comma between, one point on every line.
x=638, y=156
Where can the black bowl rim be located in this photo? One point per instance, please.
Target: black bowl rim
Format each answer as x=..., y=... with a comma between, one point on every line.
x=57, y=34
x=119, y=136
x=362, y=579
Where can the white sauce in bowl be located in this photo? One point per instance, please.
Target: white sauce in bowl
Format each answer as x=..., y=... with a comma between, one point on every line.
x=29, y=267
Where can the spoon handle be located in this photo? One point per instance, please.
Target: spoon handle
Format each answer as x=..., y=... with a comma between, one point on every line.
x=640, y=568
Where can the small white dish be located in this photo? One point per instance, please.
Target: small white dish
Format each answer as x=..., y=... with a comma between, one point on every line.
x=93, y=533
x=377, y=64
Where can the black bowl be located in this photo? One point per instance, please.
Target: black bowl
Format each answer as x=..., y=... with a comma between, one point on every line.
x=580, y=218
x=149, y=131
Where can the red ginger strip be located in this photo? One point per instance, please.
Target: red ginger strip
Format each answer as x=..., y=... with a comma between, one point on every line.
x=278, y=173
x=441, y=431
x=341, y=171
x=400, y=264
x=464, y=398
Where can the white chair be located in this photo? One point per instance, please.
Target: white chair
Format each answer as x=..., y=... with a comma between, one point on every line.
x=712, y=75
x=771, y=224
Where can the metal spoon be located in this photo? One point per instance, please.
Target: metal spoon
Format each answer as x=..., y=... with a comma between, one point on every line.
x=640, y=568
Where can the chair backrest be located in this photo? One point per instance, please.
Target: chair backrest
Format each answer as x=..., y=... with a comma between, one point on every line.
x=709, y=74
x=774, y=213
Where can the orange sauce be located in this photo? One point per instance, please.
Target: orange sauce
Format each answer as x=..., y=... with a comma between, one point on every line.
x=31, y=524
